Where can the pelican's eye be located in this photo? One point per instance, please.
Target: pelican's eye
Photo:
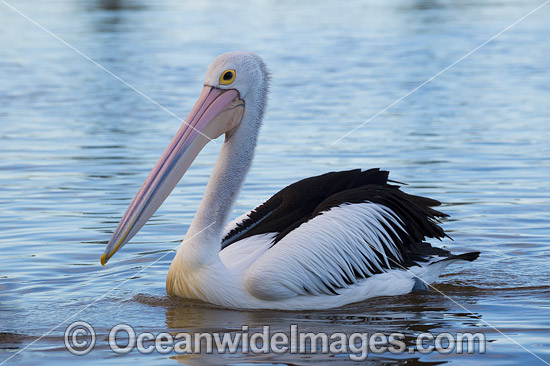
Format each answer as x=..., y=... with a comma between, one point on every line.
x=228, y=76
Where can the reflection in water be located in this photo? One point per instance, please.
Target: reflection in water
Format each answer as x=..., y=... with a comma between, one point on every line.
x=409, y=315
x=76, y=143
x=114, y=5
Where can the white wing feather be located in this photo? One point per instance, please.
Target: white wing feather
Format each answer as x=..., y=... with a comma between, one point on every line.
x=326, y=252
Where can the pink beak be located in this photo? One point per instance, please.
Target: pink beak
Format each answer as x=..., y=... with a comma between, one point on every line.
x=216, y=111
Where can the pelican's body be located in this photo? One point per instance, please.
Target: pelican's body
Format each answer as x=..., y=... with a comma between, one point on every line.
x=322, y=242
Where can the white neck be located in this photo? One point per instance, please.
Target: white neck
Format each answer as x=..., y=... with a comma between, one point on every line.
x=202, y=242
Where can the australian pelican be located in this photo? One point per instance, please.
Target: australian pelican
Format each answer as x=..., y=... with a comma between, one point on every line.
x=322, y=242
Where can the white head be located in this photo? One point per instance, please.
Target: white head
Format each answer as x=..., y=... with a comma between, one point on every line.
x=243, y=71
x=233, y=99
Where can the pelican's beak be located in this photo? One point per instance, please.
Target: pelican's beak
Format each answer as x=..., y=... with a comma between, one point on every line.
x=216, y=112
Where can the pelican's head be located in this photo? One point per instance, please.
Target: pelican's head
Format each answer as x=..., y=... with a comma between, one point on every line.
x=243, y=71
x=235, y=83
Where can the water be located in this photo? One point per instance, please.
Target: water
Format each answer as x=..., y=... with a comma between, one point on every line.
x=76, y=143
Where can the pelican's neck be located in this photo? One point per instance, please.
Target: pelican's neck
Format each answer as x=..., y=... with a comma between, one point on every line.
x=202, y=242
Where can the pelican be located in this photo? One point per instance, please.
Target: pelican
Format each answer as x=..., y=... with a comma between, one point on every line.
x=322, y=242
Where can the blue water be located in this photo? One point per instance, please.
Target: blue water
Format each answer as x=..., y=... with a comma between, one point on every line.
x=76, y=144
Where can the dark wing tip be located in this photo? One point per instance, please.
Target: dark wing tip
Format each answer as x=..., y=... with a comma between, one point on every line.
x=470, y=257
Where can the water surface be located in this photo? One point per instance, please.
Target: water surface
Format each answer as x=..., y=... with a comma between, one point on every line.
x=76, y=144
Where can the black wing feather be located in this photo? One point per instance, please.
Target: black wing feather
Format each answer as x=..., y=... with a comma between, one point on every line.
x=307, y=198
x=304, y=200
x=292, y=205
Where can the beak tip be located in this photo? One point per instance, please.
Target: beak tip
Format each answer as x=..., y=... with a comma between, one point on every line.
x=103, y=259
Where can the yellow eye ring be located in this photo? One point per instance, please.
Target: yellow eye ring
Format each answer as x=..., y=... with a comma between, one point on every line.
x=227, y=77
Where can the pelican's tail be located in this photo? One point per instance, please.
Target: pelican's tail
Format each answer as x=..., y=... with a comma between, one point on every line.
x=431, y=272
x=469, y=257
